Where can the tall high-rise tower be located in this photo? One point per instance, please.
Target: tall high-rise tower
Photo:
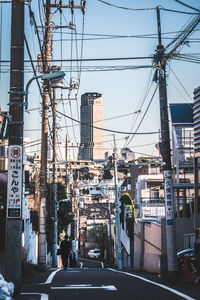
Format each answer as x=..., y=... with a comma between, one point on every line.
x=92, y=139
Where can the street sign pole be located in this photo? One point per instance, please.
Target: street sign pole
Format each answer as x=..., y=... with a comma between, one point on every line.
x=118, y=227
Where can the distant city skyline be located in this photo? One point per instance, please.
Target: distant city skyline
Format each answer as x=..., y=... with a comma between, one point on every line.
x=123, y=33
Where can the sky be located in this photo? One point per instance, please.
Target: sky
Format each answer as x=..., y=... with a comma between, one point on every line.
x=123, y=91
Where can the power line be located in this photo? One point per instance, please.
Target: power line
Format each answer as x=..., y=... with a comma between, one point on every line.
x=121, y=37
x=143, y=115
x=88, y=59
x=153, y=35
x=61, y=53
x=92, y=68
x=189, y=6
x=177, y=11
x=181, y=84
x=182, y=37
x=142, y=99
x=109, y=130
x=66, y=126
x=70, y=105
x=33, y=22
x=148, y=9
x=186, y=59
x=32, y=65
x=107, y=148
x=126, y=8
x=108, y=119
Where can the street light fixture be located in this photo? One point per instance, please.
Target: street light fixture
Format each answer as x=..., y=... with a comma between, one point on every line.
x=56, y=208
x=48, y=76
x=42, y=236
x=62, y=200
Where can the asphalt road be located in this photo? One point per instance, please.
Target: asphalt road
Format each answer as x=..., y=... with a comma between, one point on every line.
x=92, y=281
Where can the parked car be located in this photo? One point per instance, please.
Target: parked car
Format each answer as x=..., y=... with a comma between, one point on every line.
x=94, y=253
x=184, y=252
x=149, y=220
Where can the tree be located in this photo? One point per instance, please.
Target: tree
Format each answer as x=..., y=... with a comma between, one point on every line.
x=127, y=200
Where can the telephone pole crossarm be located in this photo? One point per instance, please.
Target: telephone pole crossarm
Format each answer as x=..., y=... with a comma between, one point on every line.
x=71, y=5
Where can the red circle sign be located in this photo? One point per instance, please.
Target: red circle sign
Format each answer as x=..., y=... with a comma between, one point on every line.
x=15, y=152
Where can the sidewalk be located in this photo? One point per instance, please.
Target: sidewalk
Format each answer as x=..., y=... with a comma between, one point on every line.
x=186, y=287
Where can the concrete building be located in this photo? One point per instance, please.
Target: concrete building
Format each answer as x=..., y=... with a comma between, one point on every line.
x=182, y=145
x=92, y=139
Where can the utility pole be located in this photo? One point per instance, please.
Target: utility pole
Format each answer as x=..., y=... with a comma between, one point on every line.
x=117, y=222
x=42, y=247
x=13, y=244
x=77, y=226
x=166, y=153
x=110, y=237
x=55, y=200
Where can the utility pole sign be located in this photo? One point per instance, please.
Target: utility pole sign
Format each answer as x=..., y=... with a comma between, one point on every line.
x=169, y=197
x=129, y=211
x=14, y=190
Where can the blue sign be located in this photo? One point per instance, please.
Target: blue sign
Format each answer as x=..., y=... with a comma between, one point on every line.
x=170, y=222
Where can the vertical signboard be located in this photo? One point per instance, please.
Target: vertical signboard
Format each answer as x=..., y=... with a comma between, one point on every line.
x=169, y=197
x=14, y=190
x=129, y=211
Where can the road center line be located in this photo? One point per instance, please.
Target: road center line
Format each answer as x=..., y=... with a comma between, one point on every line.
x=75, y=285
x=85, y=287
x=155, y=283
x=94, y=261
x=51, y=276
x=73, y=271
x=43, y=296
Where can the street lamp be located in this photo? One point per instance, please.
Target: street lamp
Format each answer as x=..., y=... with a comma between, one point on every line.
x=42, y=246
x=56, y=208
x=56, y=230
x=48, y=76
x=15, y=161
x=62, y=200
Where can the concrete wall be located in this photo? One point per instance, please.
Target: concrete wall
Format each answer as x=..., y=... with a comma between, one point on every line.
x=150, y=247
x=150, y=243
x=183, y=226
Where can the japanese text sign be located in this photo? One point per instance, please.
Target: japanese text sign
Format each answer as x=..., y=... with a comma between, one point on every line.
x=14, y=191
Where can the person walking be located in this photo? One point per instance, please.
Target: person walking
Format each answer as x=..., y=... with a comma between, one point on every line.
x=65, y=247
